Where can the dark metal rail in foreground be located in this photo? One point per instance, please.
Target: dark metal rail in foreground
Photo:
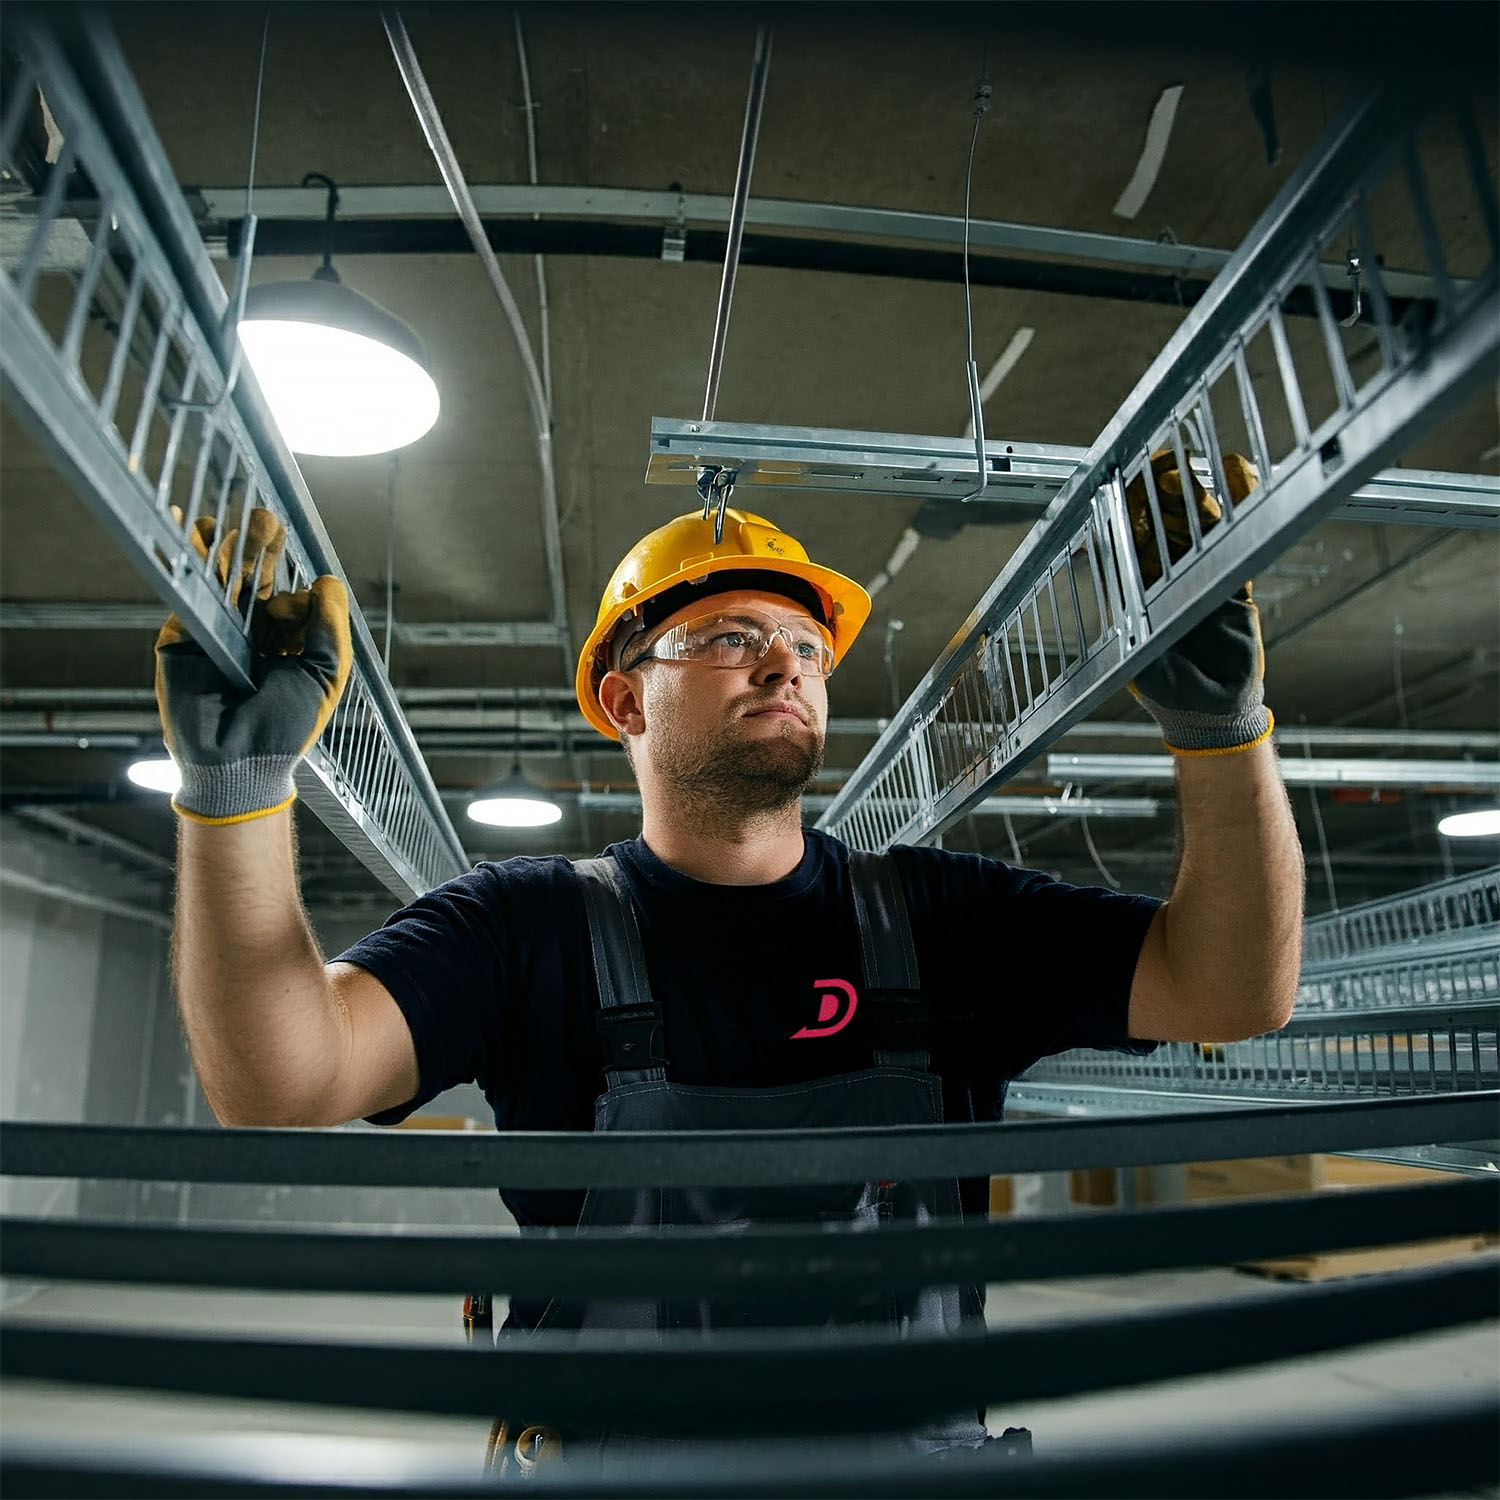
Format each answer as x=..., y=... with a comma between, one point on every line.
x=769, y=1261
x=1386, y=1451
x=782, y=1381
x=743, y=1158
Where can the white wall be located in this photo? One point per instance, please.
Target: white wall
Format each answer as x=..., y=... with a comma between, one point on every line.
x=89, y=1033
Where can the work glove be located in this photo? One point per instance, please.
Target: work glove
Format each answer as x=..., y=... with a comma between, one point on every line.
x=236, y=748
x=1207, y=691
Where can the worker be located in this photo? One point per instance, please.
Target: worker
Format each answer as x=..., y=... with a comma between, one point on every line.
x=728, y=968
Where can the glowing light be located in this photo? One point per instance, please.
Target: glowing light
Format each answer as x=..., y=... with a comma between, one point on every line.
x=342, y=376
x=157, y=773
x=516, y=803
x=514, y=812
x=1483, y=823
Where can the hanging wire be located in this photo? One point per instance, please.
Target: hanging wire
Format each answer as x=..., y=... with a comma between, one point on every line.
x=236, y=309
x=982, y=95
x=1400, y=683
x=247, y=230
x=1015, y=847
x=1317, y=812
x=260, y=78
x=390, y=556
x=529, y=108
x=1088, y=839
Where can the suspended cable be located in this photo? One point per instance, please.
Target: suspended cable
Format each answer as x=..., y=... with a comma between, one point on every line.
x=982, y=95
x=529, y=108
x=463, y=201
x=759, y=68
x=1015, y=848
x=235, y=311
x=390, y=557
x=1088, y=839
x=1317, y=812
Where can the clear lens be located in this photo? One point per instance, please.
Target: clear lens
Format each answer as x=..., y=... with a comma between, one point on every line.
x=742, y=638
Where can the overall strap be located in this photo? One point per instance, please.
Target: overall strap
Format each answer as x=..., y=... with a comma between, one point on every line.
x=893, y=982
x=628, y=1021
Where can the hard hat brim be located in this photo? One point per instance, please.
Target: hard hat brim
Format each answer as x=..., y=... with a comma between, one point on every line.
x=848, y=607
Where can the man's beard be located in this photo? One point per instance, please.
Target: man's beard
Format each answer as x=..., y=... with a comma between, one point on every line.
x=732, y=773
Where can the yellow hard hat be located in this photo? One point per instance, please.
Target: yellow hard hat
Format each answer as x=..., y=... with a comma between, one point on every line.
x=683, y=553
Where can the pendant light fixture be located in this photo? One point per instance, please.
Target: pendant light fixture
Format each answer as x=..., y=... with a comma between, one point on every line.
x=1483, y=822
x=518, y=802
x=342, y=376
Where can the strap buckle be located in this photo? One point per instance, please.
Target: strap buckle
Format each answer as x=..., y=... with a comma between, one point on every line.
x=630, y=1037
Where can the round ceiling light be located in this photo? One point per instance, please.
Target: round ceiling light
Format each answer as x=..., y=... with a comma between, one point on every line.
x=1484, y=822
x=342, y=376
x=515, y=803
x=157, y=773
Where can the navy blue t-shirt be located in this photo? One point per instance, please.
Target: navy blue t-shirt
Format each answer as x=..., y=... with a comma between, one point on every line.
x=494, y=975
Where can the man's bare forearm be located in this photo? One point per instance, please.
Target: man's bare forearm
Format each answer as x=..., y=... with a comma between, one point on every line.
x=1223, y=956
x=263, y=1022
x=1234, y=924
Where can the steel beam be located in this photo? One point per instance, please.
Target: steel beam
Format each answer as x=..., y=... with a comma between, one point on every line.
x=1022, y=480
x=224, y=205
x=490, y=708
x=1025, y=683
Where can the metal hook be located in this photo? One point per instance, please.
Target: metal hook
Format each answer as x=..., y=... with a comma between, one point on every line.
x=1354, y=275
x=716, y=486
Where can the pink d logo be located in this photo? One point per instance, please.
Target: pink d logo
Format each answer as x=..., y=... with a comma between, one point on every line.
x=836, y=993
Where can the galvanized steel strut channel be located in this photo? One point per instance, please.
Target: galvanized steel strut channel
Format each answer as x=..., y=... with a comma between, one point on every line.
x=1023, y=477
x=1069, y=620
x=135, y=419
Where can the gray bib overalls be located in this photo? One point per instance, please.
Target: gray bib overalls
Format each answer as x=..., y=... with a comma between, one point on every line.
x=897, y=1090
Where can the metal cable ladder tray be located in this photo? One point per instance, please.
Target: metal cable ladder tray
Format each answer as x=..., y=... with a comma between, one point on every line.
x=114, y=352
x=1070, y=620
x=1399, y=997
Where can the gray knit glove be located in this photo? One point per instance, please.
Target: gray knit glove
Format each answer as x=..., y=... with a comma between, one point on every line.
x=235, y=748
x=1207, y=691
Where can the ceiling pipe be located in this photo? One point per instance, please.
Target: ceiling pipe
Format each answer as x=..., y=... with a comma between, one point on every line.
x=626, y=800
x=51, y=890
x=1468, y=775
x=62, y=715
x=76, y=831
x=536, y=396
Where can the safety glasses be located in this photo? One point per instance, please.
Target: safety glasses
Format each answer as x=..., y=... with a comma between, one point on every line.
x=740, y=638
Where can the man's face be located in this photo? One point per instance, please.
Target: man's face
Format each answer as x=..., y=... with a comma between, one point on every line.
x=750, y=735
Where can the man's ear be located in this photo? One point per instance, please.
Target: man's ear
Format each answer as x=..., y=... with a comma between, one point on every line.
x=620, y=698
